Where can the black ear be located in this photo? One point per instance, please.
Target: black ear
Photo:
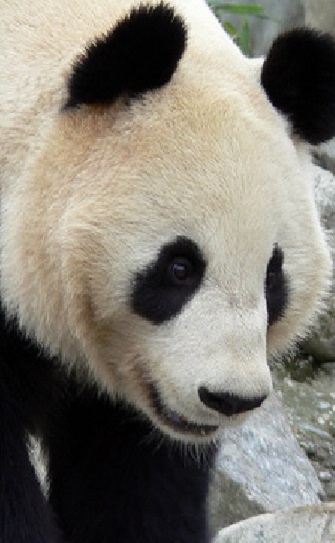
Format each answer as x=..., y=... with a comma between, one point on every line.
x=140, y=54
x=299, y=78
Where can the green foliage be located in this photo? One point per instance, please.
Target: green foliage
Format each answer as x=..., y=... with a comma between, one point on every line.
x=241, y=35
x=238, y=9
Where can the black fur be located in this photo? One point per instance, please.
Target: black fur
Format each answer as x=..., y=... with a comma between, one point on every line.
x=26, y=390
x=112, y=480
x=157, y=295
x=140, y=54
x=299, y=78
x=276, y=287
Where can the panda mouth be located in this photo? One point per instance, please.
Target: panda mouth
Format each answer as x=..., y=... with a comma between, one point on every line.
x=176, y=421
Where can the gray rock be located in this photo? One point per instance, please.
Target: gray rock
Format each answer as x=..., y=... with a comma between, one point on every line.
x=309, y=524
x=321, y=14
x=324, y=190
x=326, y=155
x=321, y=342
x=260, y=469
x=281, y=16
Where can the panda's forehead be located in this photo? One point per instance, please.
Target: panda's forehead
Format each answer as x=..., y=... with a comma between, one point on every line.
x=185, y=142
x=190, y=166
x=205, y=161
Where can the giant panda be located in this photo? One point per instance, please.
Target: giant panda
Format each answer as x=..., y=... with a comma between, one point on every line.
x=159, y=243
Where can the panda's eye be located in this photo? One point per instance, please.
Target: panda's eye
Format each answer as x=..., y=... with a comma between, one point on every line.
x=276, y=291
x=162, y=289
x=274, y=270
x=271, y=279
x=180, y=270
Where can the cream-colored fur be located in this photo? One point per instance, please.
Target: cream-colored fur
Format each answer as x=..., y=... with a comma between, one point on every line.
x=88, y=197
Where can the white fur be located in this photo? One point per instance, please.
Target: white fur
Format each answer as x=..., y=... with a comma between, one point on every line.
x=88, y=197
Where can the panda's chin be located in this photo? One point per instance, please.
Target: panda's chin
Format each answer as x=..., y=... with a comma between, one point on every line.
x=179, y=425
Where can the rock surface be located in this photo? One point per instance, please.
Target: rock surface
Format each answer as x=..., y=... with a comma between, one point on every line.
x=326, y=154
x=320, y=13
x=283, y=15
x=308, y=395
x=309, y=524
x=321, y=342
x=280, y=16
x=260, y=469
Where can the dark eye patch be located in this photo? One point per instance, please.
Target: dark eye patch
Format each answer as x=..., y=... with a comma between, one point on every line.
x=276, y=287
x=162, y=289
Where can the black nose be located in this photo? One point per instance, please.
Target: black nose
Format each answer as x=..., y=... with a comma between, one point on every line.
x=228, y=404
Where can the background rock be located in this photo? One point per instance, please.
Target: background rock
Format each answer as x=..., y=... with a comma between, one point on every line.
x=281, y=16
x=321, y=342
x=310, y=524
x=326, y=154
x=320, y=13
x=260, y=468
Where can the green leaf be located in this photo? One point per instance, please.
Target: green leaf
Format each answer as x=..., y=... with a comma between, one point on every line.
x=232, y=31
x=244, y=39
x=242, y=9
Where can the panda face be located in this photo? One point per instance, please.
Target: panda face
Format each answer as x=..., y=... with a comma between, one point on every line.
x=178, y=258
x=167, y=244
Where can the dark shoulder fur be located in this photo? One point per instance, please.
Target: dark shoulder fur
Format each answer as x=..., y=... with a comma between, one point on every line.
x=26, y=391
x=113, y=479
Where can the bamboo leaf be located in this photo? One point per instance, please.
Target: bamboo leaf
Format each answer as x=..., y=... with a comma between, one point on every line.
x=245, y=38
x=232, y=31
x=242, y=9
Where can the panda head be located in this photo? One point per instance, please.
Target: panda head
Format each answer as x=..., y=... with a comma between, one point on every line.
x=174, y=243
